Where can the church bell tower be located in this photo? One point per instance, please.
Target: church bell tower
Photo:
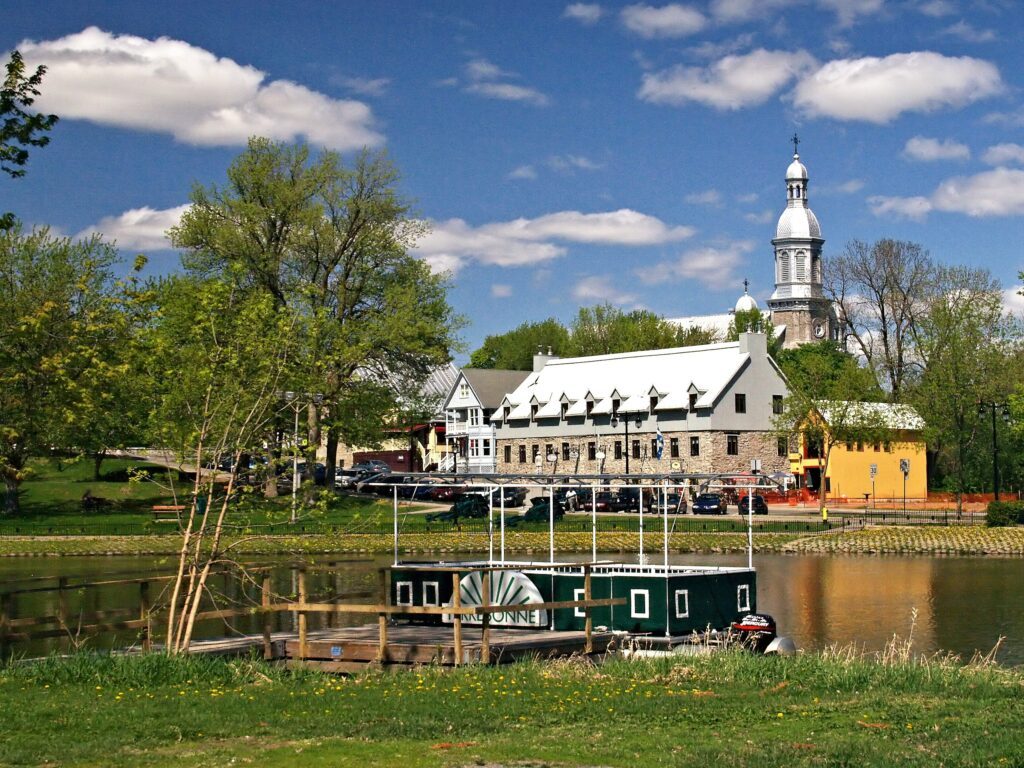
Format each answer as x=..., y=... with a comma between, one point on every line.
x=798, y=302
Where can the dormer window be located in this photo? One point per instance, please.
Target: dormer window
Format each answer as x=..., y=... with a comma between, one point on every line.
x=533, y=411
x=463, y=390
x=590, y=406
x=654, y=402
x=615, y=406
x=693, y=400
x=565, y=409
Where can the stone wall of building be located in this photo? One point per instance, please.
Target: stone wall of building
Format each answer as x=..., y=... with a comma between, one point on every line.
x=713, y=454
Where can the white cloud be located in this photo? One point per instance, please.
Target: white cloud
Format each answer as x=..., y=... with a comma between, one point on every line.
x=999, y=192
x=138, y=229
x=716, y=50
x=1004, y=154
x=730, y=83
x=750, y=197
x=1013, y=119
x=482, y=69
x=928, y=150
x=970, y=34
x=170, y=86
x=487, y=79
x=584, y=13
x=711, y=266
x=601, y=288
x=937, y=8
x=365, y=86
x=879, y=90
x=916, y=208
x=847, y=11
x=501, y=290
x=745, y=10
x=707, y=197
x=569, y=163
x=1013, y=301
x=509, y=92
x=521, y=242
x=672, y=20
x=851, y=186
x=523, y=172
x=764, y=217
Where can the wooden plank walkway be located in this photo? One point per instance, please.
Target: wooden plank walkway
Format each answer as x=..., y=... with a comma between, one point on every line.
x=348, y=649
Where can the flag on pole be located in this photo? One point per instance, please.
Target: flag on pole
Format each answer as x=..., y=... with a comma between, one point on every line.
x=659, y=443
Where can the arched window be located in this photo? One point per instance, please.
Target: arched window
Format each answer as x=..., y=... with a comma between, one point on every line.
x=784, y=271
x=801, y=266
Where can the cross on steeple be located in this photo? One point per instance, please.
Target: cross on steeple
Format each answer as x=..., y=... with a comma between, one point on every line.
x=746, y=284
x=796, y=144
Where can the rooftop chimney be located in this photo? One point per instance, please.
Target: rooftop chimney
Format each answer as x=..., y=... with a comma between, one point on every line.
x=540, y=359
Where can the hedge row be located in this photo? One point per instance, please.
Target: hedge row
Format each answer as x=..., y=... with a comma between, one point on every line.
x=1004, y=513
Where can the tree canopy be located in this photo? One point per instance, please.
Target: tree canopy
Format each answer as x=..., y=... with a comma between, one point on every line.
x=599, y=330
x=329, y=243
x=20, y=128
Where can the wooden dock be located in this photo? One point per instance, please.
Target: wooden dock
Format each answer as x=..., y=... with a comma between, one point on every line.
x=350, y=649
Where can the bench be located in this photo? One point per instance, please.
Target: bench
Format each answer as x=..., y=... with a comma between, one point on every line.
x=167, y=513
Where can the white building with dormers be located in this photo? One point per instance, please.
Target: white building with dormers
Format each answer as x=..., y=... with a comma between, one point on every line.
x=713, y=404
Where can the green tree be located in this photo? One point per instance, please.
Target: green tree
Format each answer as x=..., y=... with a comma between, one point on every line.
x=829, y=401
x=59, y=315
x=754, y=320
x=329, y=243
x=20, y=128
x=220, y=358
x=514, y=350
x=968, y=348
x=605, y=329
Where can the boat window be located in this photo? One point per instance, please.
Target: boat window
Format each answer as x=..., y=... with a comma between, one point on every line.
x=639, y=604
x=403, y=592
x=682, y=603
x=743, y=597
x=579, y=594
x=430, y=593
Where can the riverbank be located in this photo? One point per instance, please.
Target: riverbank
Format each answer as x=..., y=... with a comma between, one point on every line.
x=729, y=709
x=926, y=540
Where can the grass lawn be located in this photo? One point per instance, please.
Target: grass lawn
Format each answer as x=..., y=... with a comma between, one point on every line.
x=725, y=710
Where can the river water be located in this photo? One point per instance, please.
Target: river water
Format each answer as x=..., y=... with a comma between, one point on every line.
x=960, y=605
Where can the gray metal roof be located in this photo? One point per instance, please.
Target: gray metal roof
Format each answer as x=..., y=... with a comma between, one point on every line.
x=492, y=384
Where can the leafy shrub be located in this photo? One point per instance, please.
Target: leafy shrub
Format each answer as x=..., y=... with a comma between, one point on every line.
x=1003, y=513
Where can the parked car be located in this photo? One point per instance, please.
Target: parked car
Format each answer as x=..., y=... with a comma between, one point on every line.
x=373, y=465
x=471, y=506
x=442, y=491
x=539, y=511
x=760, y=505
x=515, y=496
x=709, y=504
x=674, y=502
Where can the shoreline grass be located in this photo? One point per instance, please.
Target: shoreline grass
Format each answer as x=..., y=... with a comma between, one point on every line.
x=973, y=541
x=727, y=709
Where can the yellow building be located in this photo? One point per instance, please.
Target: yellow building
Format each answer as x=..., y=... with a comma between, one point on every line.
x=886, y=447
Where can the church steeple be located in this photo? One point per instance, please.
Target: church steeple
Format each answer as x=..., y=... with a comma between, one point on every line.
x=798, y=301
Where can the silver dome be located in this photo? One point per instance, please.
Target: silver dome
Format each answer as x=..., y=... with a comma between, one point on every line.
x=798, y=221
x=796, y=170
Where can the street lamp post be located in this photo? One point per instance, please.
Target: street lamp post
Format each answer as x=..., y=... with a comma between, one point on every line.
x=295, y=402
x=983, y=407
x=615, y=425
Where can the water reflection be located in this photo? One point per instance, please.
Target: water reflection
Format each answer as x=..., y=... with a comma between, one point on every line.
x=961, y=604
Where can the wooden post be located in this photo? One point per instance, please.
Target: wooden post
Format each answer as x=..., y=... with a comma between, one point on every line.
x=382, y=628
x=302, y=614
x=147, y=638
x=268, y=650
x=589, y=627
x=457, y=603
x=62, y=602
x=382, y=618
x=485, y=621
x=5, y=620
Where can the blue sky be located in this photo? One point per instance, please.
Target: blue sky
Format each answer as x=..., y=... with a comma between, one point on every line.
x=564, y=154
